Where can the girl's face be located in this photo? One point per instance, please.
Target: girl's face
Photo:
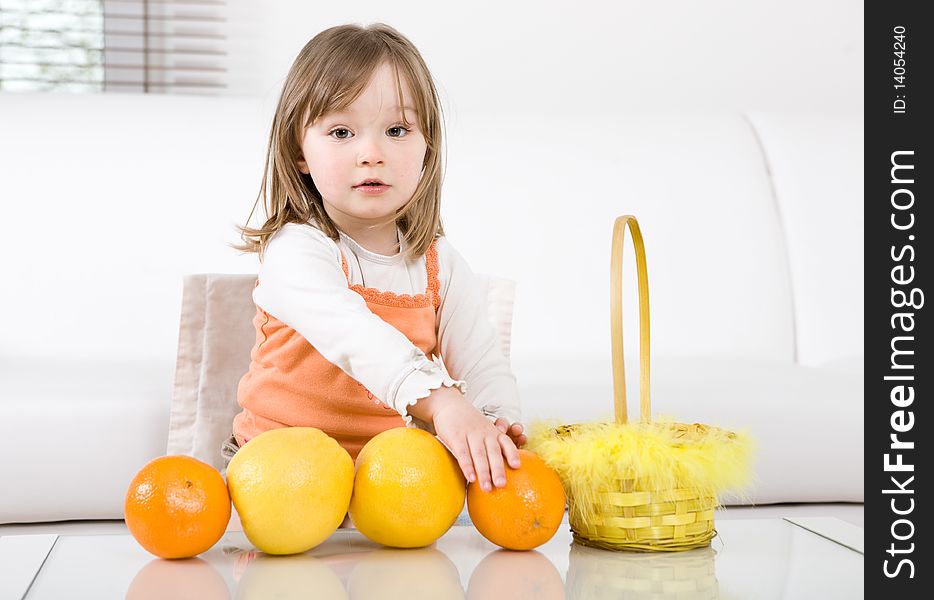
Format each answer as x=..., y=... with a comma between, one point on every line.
x=366, y=140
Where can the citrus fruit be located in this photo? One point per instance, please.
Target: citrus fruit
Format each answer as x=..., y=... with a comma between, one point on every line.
x=526, y=512
x=408, y=489
x=177, y=506
x=291, y=487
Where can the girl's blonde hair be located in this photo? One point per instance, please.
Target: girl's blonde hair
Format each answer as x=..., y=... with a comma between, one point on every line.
x=328, y=75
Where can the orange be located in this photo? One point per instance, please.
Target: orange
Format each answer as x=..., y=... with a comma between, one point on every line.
x=525, y=513
x=408, y=489
x=177, y=506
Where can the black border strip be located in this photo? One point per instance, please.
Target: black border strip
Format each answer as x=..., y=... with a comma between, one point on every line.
x=895, y=351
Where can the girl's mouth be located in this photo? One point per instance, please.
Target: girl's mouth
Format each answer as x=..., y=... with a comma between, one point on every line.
x=371, y=188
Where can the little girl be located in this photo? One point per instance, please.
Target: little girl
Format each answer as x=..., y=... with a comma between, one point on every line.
x=359, y=294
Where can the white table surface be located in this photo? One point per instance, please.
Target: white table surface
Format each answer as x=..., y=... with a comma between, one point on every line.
x=750, y=558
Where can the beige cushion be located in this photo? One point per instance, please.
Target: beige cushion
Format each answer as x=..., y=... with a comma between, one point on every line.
x=215, y=337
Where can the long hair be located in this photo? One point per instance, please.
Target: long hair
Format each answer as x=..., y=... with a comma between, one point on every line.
x=328, y=74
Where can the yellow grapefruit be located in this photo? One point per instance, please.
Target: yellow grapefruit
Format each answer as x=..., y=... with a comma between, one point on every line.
x=291, y=488
x=408, y=489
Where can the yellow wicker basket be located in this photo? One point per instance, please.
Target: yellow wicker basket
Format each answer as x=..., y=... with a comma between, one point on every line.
x=645, y=486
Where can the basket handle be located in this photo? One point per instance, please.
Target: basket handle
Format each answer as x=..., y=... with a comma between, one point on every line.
x=616, y=318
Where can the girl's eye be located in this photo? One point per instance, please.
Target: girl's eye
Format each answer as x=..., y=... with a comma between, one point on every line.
x=403, y=131
x=340, y=137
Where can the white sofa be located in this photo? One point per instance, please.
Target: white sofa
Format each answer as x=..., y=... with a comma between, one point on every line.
x=753, y=230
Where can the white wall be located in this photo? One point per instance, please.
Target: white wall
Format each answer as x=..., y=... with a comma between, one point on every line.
x=588, y=56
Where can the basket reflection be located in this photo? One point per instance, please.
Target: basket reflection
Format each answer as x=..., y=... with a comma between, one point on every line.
x=594, y=573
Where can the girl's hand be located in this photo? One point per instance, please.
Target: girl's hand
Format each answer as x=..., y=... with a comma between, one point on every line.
x=478, y=445
x=514, y=431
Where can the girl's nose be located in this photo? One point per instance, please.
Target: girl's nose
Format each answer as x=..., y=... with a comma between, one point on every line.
x=370, y=153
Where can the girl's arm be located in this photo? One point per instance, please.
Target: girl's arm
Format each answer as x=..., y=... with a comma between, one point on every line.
x=469, y=345
x=481, y=429
x=302, y=284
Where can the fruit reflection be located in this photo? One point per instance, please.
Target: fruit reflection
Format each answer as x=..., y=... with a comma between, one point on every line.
x=515, y=575
x=405, y=574
x=286, y=577
x=178, y=578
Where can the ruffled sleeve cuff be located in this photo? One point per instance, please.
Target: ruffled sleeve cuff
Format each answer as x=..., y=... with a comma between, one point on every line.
x=426, y=375
x=492, y=413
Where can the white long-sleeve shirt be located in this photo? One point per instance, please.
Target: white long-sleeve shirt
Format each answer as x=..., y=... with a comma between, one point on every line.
x=302, y=283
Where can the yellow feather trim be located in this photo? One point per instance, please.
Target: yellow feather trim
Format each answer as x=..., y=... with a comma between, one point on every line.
x=658, y=456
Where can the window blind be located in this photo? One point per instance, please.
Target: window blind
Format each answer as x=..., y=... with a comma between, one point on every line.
x=147, y=46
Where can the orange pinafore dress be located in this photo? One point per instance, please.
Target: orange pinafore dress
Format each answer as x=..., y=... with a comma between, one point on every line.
x=290, y=384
